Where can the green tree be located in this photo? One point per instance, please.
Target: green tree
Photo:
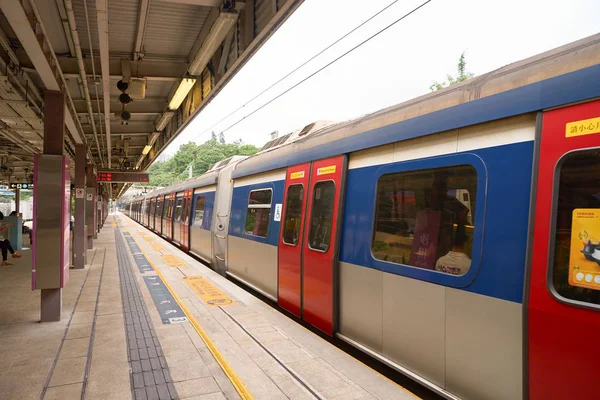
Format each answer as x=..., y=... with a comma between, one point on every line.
x=200, y=157
x=462, y=75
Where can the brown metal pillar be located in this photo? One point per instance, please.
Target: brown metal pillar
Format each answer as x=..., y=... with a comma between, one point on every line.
x=90, y=206
x=50, y=269
x=80, y=247
x=18, y=201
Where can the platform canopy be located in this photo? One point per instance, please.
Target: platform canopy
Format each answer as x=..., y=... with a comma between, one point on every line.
x=134, y=72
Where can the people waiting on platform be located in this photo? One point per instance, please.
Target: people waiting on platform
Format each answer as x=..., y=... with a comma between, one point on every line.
x=5, y=243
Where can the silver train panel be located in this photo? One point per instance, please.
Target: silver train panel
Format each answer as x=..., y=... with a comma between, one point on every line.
x=255, y=263
x=200, y=243
x=361, y=300
x=413, y=325
x=220, y=220
x=468, y=344
x=484, y=346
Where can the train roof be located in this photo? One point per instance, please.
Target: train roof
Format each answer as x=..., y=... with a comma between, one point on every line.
x=567, y=74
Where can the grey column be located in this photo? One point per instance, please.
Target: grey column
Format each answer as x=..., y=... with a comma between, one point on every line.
x=80, y=246
x=46, y=234
x=90, y=206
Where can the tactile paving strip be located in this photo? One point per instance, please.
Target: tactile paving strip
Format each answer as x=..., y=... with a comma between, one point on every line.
x=150, y=377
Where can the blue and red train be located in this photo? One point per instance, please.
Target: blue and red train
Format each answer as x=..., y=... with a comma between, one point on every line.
x=454, y=237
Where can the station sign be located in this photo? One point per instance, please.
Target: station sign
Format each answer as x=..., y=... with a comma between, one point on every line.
x=122, y=177
x=21, y=185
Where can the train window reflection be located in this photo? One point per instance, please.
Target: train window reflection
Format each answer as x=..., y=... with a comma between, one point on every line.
x=425, y=218
x=576, y=264
x=199, y=212
x=259, y=212
x=159, y=207
x=178, y=209
x=321, y=216
x=293, y=214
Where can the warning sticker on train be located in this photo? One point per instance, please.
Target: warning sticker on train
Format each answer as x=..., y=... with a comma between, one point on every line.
x=326, y=170
x=297, y=175
x=207, y=291
x=583, y=127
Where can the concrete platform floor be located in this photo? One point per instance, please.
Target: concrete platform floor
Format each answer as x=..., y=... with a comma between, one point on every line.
x=112, y=342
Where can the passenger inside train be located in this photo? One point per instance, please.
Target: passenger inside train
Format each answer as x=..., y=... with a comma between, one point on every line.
x=456, y=261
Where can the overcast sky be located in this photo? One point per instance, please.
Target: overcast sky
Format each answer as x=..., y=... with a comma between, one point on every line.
x=396, y=66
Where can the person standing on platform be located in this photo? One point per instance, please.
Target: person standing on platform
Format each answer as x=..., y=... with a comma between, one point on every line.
x=5, y=243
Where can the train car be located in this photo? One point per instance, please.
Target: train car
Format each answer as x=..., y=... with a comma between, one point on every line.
x=454, y=237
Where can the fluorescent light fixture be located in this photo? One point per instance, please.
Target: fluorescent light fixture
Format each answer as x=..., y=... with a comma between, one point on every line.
x=147, y=149
x=221, y=27
x=182, y=91
x=163, y=120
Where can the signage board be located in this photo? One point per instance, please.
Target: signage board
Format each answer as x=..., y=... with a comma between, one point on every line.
x=79, y=193
x=122, y=177
x=21, y=185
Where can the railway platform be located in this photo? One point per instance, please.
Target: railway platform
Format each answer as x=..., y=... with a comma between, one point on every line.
x=146, y=321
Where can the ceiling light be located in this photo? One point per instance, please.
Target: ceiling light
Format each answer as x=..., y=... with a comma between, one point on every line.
x=221, y=27
x=182, y=91
x=147, y=149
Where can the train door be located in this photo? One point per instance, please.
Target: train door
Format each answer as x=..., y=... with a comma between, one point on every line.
x=169, y=217
x=310, y=268
x=177, y=218
x=563, y=303
x=158, y=214
x=151, y=213
x=290, y=241
x=185, y=219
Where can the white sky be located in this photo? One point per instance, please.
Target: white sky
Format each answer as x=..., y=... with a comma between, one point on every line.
x=396, y=66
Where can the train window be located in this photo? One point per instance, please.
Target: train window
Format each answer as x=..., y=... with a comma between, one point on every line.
x=259, y=212
x=576, y=262
x=424, y=218
x=293, y=214
x=321, y=217
x=178, y=205
x=199, y=212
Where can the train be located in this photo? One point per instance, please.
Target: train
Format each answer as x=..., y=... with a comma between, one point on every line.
x=453, y=237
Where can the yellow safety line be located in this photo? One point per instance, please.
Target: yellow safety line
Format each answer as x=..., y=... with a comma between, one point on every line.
x=235, y=380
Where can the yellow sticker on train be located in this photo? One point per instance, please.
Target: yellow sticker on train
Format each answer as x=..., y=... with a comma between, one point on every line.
x=326, y=170
x=297, y=175
x=207, y=291
x=583, y=127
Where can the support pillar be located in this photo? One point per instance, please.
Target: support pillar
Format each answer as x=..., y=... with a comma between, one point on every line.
x=49, y=249
x=90, y=206
x=80, y=245
x=18, y=201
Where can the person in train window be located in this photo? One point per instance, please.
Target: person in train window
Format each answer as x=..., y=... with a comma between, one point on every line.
x=452, y=212
x=5, y=243
x=456, y=261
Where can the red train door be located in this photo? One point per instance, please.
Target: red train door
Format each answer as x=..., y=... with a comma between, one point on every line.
x=290, y=239
x=169, y=217
x=564, y=289
x=185, y=219
x=308, y=271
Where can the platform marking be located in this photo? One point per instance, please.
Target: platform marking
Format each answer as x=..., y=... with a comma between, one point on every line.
x=148, y=238
x=167, y=307
x=173, y=261
x=207, y=291
x=227, y=369
x=157, y=247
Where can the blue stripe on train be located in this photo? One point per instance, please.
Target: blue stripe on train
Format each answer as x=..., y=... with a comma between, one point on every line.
x=501, y=270
x=239, y=209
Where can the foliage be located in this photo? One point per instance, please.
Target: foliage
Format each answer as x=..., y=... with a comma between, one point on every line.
x=463, y=75
x=200, y=157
